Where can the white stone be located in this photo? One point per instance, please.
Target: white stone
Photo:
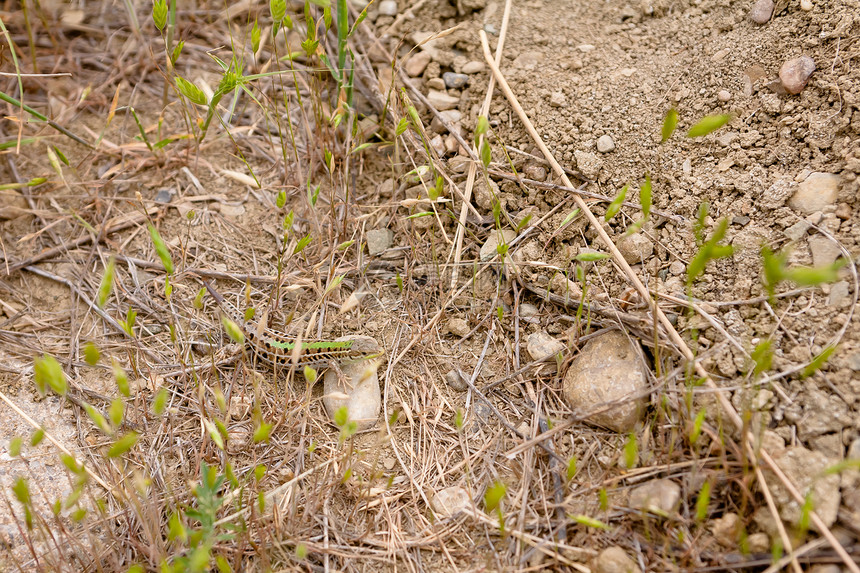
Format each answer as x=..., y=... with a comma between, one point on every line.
x=379, y=240
x=489, y=250
x=450, y=501
x=615, y=560
x=473, y=67
x=660, y=496
x=540, y=346
x=588, y=163
x=441, y=100
x=359, y=391
x=824, y=251
x=605, y=144
x=557, y=99
x=388, y=8
x=818, y=191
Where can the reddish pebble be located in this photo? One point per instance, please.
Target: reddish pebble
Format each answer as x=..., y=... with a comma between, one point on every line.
x=761, y=11
x=795, y=73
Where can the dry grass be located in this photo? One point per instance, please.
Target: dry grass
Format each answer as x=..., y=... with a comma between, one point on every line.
x=196, y=485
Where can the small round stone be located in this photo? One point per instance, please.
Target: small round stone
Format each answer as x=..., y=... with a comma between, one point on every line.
x=724, y=95
x=605, y=144
x=388, y=8
x=761, y=11
x=454, y=80
x=806, y=5
x=794, y=74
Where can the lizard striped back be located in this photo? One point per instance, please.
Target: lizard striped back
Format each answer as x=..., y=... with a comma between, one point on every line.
x=276, y=348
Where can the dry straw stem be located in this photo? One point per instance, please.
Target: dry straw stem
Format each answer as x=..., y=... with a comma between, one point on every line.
x=726, y=406
x=473, y=168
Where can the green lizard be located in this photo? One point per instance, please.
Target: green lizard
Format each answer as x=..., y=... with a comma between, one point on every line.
x=276, y=348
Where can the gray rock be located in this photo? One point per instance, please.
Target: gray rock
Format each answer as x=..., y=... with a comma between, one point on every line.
x=529, y=313
x=823, y=413
x=804, y=468
x=636, y=248
x=557, y=99
x=452, y=116
x=454, y=80
x=417, y=63
x=609, y=369
x=761, y=11
x=605, y=144
x=359, y=392
x=817, y=191
x=485, y=197
x=541, y=345
x=724, y=95
x=794, y=74
x=778, y=193
x=456, y=380
x=388, y=8
x=798, y=230
x=379, y=240
x=441, y=100
x=489, y=248
x=450, y=501
x=660, y=496
x=615, y=560
x=535, y=171
x=588, y=163
x=840, y=294
x=824, y=251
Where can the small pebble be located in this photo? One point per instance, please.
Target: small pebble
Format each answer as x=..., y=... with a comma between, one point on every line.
x=816, y=192
x=659, y=495
x=473, y=67
x=806, y=5
x=588, y=163
x=489, y=250
x=417, y=63
x=453, y=80
x=436, y=84
x=761, y=11
x=458, y=327
x=450, y=501
x=614, y=560
x=794, y=74
x=456, y=380
x=388, y=8
x=557, y=99
x=724, y=95
x=585, y=48
x=605, y=144
x=441, y=100
x=378, y=240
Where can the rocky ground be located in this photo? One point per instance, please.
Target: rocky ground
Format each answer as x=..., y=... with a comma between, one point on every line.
x=648, y=438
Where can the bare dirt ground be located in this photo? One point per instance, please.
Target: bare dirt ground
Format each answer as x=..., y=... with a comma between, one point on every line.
x=617, y=456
